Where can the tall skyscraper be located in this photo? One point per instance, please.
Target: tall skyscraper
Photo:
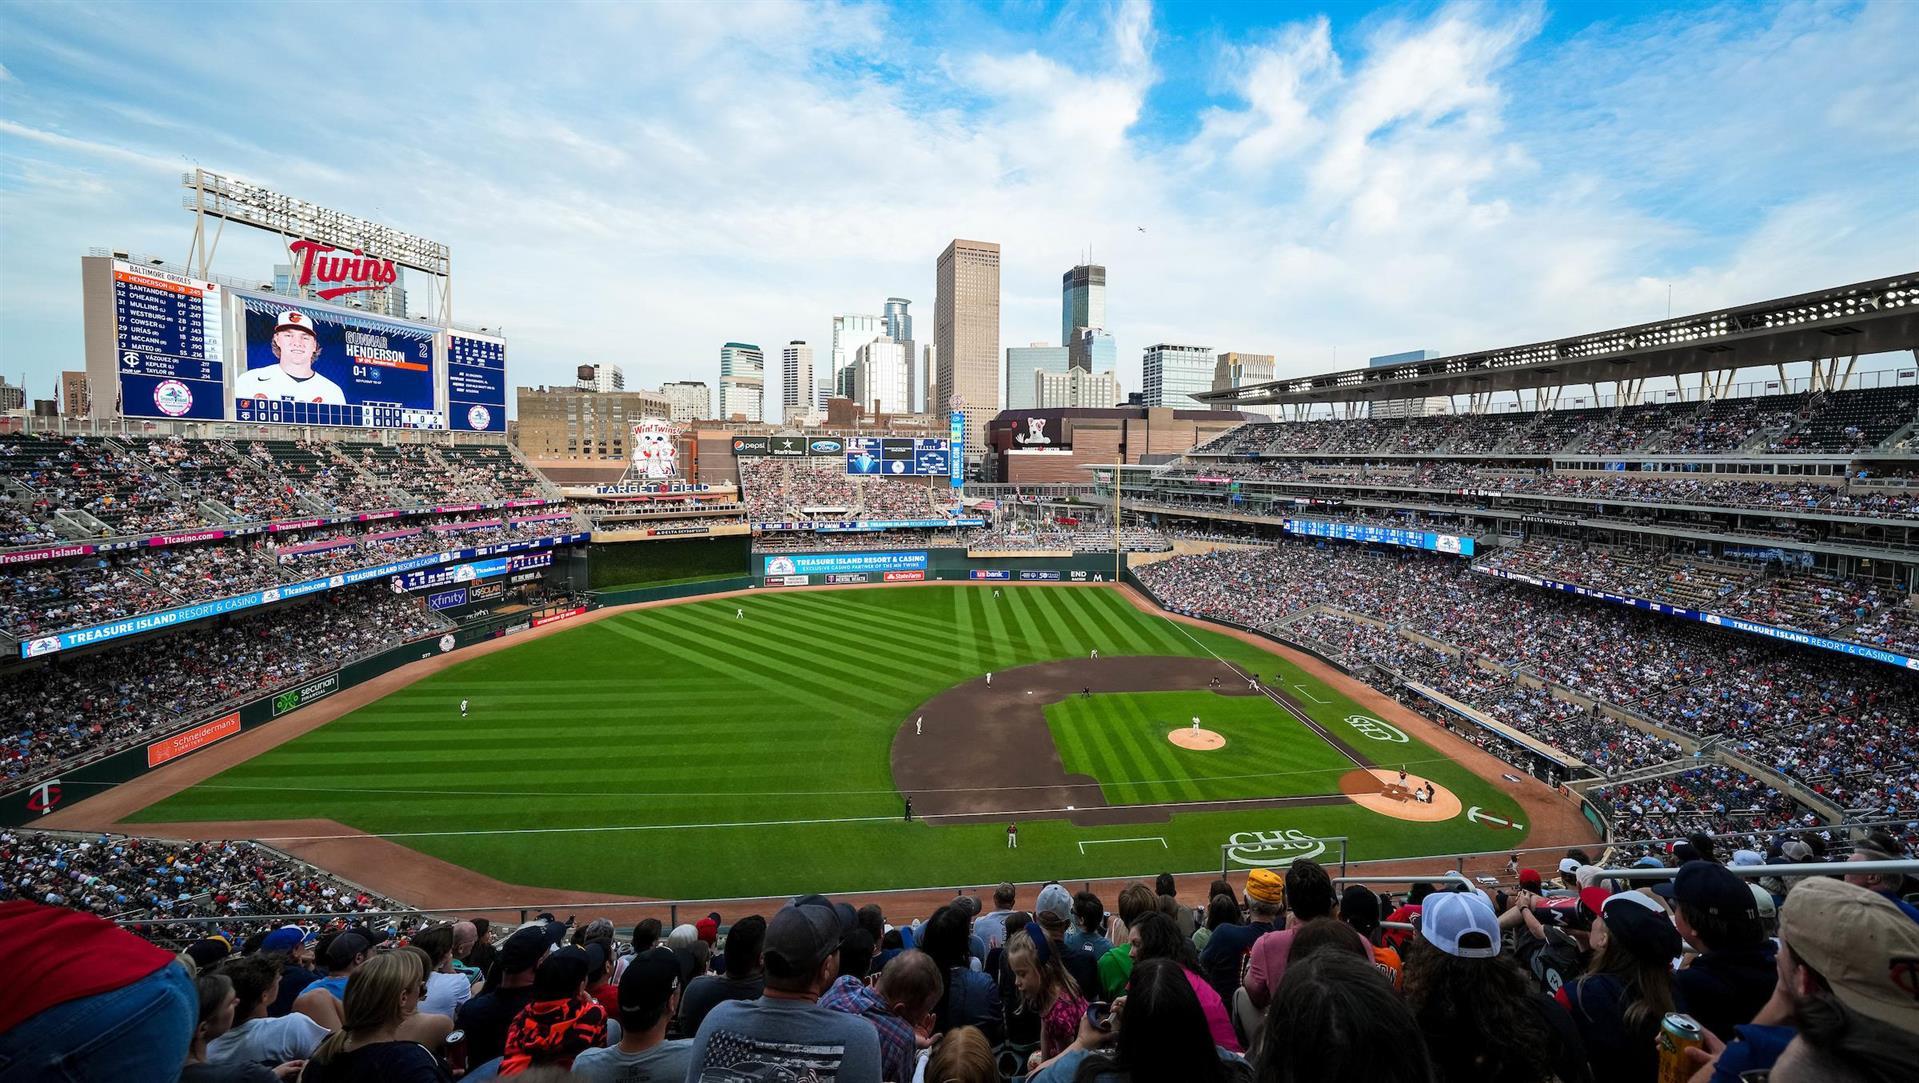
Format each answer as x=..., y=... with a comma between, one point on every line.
x=882, y=379
x=1022, y=362
x=1082, y=301
x=688, y=400
x=899, y=322
x=928, y=380
x=796, y=380
x=1093, y=350
x=850, y=332
x=899, y=328
x=966, y=334
x=1173, y=374
x=742, y=382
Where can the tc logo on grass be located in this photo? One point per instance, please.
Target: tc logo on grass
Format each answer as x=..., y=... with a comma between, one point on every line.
x=1373, y=729
x=1270, y=848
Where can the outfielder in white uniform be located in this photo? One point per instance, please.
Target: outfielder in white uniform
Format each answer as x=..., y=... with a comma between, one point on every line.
x=296, y=346
x=462, y=708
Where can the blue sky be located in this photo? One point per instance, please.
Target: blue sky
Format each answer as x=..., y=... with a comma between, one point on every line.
x=641, y=183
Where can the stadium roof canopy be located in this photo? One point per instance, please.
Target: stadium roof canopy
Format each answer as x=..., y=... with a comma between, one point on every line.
x=1879, y=316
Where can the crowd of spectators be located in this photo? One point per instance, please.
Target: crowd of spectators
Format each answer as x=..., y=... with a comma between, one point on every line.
x=1604, y=744
x=1814, y=714
x=141, y=486
x=154, y=882
x=37, y=599
x=1846, y=421
x=77, y=708
x=794, y=489
x=1448, y=478
x=1564, y=975
x=1712, y=798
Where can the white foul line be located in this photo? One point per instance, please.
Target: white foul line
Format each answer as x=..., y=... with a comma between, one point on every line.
x=1102, y=842
x=1301, y=689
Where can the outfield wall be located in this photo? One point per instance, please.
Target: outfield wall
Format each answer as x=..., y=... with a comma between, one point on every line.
x=845, y=567
x=22, y=806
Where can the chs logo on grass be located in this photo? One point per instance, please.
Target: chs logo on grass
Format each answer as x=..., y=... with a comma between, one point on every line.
x=1374, y=729
x=1267, y=849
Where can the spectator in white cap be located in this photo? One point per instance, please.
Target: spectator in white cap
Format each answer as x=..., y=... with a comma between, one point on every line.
x=295, y=347
x=1484, y=1019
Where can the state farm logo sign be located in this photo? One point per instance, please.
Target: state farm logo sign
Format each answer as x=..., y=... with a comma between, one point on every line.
x=317, y=267
x=1266, y=849
x=1373, y=729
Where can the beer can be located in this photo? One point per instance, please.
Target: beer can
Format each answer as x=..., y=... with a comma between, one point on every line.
x=456, y=1052
x=1678, y=1032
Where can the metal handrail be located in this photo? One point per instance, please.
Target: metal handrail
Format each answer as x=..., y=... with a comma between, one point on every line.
x=1909, y=866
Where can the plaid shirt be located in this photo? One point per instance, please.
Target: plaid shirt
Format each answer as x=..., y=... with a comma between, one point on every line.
x=899, y=1054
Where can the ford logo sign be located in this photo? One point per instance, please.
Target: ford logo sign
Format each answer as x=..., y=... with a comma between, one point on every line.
x=826, y=446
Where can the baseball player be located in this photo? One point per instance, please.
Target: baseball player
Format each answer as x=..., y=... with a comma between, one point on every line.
x=462, y=708
x=739, y=614
x=1095, y=654
x=1196, y=725
x=1012, y=836
x=295, y=346
x=919, y=725
x=989, y=678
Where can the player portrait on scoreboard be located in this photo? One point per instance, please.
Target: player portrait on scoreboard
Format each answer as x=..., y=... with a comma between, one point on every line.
x=295, y=347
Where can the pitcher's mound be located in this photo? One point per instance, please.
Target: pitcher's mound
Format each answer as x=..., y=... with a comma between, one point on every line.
x=1380, y=791
x=1201, y=740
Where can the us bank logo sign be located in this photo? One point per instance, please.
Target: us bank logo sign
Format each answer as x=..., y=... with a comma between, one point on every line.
x=1267, y=849
x=1375, y=730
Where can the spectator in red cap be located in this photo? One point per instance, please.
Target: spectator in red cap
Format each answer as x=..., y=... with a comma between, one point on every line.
x=84, y=1000
x=708, y=929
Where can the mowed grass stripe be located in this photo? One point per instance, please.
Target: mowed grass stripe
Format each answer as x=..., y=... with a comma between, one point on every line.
x=792, y=640
x=1075, y=734
x=772, y=680
x=764, y=646
x=1101, y=631
x=1151, y=755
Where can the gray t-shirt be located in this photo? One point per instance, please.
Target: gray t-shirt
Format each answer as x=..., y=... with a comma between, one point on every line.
x=783, y=1040
x=664, y=1063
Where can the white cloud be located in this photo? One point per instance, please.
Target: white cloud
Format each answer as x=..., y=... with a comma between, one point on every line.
x=640, y=183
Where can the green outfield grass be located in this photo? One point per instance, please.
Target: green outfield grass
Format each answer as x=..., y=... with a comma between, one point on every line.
x=1121, y=739
x=681, y=752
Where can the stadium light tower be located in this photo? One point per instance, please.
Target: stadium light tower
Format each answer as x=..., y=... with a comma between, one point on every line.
x=212, y=195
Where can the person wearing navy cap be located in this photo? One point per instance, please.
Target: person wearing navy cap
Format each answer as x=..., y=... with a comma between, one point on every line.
x=1733, y=975
x=1619, y=1002
x=785, y=1033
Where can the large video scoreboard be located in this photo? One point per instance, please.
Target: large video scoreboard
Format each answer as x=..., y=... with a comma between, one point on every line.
x=162, y=345
x=168, y=344
x=899, y=456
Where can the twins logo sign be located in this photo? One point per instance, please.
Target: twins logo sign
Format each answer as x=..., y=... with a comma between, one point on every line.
x=1373, y=729
x=1268, y=849
x=44, y=797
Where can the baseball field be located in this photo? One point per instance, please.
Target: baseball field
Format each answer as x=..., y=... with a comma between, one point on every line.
x=767, y=744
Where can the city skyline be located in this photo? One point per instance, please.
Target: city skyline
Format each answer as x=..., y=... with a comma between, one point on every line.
x=1323, y=187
